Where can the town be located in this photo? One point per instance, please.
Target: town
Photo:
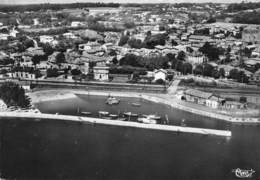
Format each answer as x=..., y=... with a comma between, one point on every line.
x=196, y=52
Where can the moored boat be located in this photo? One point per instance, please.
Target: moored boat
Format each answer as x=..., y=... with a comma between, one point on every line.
x=136, y=104
x=112, y=100
x=130, y=114
x=113, y=116
x=103, y=113
x=86, y=113
x=152, y=116
x=147, y=120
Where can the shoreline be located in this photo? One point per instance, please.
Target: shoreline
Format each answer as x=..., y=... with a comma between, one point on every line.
x=176, y=129
x=48, y=95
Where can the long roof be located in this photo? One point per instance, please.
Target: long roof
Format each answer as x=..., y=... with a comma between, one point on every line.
x=198, y=93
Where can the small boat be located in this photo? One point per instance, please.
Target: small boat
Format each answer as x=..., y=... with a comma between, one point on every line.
x=243, y=173
x=152, y=116
x=147, y=120
x=104, y=113
x=136, y=104
x=113, y=115
x=130, y=114
x=183, y=122
x=121, y=119
x=112, y=100
x=86, y=113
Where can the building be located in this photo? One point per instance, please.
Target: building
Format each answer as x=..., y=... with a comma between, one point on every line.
x=196, y=96
x=256, y=76
x=251, y=34
x=4, y=36
x=215, y=102
x=76, y=24
x=46, y=39
x=196, y=58
x=69, y=35
x=22, y=75
x=234, y=105
x=101, y=72
x=160, y=74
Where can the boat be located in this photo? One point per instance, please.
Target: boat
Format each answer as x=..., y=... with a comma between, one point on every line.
x=130, y=114
x=243, y=173
x=136, y=104
x=121, y=119
x=183, y=122
x=152, y=116
x=86, y=113
x=113, y=115
x=104, y=113
x=147, y=120
x=112, y=100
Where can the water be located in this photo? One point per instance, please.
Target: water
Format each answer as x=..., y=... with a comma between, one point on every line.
x=71, y=150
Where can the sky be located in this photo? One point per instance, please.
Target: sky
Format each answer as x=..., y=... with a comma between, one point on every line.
x=117, y=1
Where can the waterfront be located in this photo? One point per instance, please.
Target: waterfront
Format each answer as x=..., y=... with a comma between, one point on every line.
x=54, y=149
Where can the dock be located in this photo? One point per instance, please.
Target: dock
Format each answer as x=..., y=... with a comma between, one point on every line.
x=178, y=129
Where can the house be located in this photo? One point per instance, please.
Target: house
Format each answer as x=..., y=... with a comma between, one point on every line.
x=4, y=36
x=46, y=39
x=160, y=74
x=196, y=58
x=101, y=72
x=22, y=75
x=234, y=105
x=69, y=35
x=256, y=76
x=196, y=96
x=215, y=102
x=76, y=24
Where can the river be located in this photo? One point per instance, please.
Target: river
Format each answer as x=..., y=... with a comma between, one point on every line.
x=52, y=149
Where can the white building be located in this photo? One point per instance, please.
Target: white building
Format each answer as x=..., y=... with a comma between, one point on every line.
x=4, y=36
x=160, y=74
x=101, y=73
x=76, y=24
x=196, y=58
x=46, y=39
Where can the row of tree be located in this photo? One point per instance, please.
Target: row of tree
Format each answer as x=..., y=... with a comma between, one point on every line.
x=14, y=95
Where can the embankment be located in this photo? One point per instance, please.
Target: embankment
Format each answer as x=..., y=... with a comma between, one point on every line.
x=178, y=129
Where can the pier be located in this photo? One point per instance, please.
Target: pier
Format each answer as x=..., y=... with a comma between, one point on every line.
x=178, y=129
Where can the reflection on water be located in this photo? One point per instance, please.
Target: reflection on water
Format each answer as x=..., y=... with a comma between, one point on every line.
x=51, y=149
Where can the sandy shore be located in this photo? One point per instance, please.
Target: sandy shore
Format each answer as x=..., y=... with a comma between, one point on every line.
x=48, y=95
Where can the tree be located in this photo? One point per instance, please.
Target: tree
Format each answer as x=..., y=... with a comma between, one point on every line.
x=35, y=60
x=135, y=43
x=179, y=66
x=222, y=72
x=210, y=51
x=233, y=74
x=198, y=70
x=75, y=72
x=115, y=61
x=52, y=72
x=60, y=58
x=215, y=74
x=14, y=95
x=207, y=70
x=47, y=49
x=160, y=81
x=123, y=40
x=181, y=56
x=187, y=68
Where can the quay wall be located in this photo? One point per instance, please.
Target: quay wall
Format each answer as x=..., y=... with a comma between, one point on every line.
x=174, y=103
x=178, y=129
